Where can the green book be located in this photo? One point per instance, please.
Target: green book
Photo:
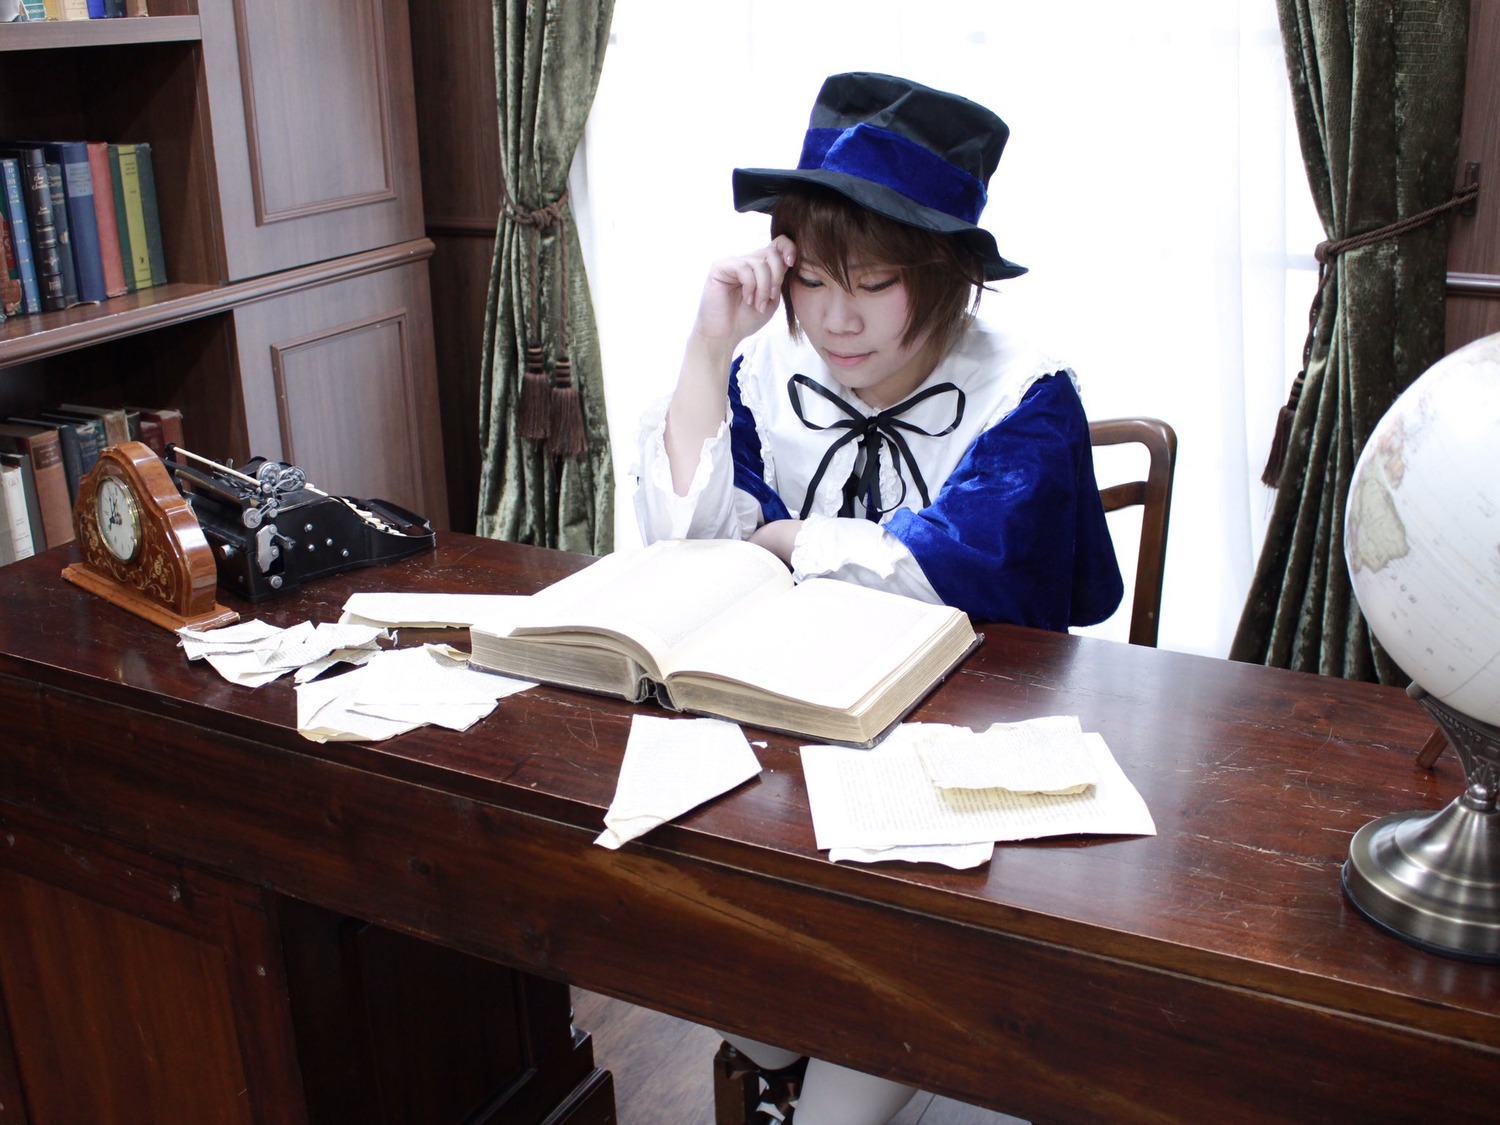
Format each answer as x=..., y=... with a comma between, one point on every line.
x=127, y=178
x=122, y=224
x=151, y=216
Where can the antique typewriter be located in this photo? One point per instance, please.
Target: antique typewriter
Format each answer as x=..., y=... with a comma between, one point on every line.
x=271, y=530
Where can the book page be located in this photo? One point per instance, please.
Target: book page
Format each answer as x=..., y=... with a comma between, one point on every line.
x=882, y=798
x=658, y=596
x=828, y=643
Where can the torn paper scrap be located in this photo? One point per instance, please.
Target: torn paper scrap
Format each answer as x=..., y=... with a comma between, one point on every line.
x=397, y=691
x=670, y=767
x=428, y=610
x=256, y=653
x=1047, y=755
x=881, y=798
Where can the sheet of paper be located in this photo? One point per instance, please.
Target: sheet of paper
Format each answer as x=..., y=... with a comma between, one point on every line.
x=429, y=611
x=882, y=798
x=670, y=767
x=397, y=691
x=1046, y=755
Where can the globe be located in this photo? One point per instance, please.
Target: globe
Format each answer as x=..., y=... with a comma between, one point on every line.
x=1422, y=530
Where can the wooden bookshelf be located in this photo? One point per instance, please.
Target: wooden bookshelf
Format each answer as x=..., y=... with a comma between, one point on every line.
x=284, y=142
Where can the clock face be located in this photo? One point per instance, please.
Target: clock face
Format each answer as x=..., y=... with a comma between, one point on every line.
x=119, y=518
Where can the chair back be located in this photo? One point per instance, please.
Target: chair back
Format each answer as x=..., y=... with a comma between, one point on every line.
x=1154, y=495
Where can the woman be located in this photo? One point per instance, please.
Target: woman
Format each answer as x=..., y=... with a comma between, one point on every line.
x=884, y=436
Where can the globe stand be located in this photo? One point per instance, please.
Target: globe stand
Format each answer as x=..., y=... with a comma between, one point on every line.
x=1433, y=879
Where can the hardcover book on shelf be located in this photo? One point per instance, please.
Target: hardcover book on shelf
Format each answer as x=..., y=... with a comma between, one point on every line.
x=115, y=421
x=72, y=159
x=145, y=170
x=68, y=442
x=166, y=420
x=17, y=510
x=11, y=294
x=105, y=220
x=43, y=448
x=64, y=225
x=718, y=627
x=128, y=206
x=40, y=226
x=13, y=200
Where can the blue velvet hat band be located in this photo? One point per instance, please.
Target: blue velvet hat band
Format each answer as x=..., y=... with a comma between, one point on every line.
x=901, y=165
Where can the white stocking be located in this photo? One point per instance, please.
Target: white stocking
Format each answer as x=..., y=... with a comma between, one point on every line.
x=831, y=1094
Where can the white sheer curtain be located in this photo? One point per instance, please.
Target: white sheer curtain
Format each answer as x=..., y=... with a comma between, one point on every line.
x=1149, y=184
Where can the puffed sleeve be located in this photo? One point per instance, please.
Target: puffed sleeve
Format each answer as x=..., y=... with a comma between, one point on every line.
x=716, y=505
x=1017, y=532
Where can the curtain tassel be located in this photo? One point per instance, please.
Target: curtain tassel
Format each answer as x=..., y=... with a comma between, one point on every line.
x=565, y=431
x=532, y=411
x=1276, y=460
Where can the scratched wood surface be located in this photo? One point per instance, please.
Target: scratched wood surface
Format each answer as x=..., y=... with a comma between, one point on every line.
x=1085, y=979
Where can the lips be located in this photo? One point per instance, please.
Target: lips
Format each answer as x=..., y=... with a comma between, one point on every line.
x=841, y=359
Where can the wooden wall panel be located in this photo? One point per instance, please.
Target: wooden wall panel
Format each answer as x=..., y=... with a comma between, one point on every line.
x=338, y=378
x=314, y=129
x=1474, y=249
x=458, y=133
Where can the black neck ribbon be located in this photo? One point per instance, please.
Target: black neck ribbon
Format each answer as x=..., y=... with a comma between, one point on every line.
x=873, y=432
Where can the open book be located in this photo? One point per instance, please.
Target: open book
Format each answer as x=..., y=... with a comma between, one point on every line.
x=718, y=627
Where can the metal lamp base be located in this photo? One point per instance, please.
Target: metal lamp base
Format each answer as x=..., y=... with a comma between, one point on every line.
x=1433, y=879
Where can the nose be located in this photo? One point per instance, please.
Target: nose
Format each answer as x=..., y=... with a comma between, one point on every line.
x=842, y=316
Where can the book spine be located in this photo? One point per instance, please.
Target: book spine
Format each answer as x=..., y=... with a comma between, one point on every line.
x=145, y=169
x=35, y=9
x=83, y=220
x=151, y=435
x=11, y=294
x=43, y=231
x=15, y=209
x=122, y=222
x=20, y=517
x=7, y=542
x=136, y=8
x=75, y=9
x=104, y=215
x=96, y=9
x=170, y=422
x=44, y=449
x=29, y=496
x=61, y=221
x=139, y=262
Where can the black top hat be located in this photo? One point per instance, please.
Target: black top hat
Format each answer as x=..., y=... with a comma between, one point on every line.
x=913, y=154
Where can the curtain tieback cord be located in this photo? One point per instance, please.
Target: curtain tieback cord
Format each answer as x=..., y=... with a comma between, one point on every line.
x=548, y=409
x=1325, y=253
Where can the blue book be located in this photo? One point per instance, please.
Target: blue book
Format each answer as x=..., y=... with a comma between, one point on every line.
x=64, y=227
x=13, y=200
x=72, y=158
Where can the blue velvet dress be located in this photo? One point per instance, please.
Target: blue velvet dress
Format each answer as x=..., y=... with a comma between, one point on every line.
x=983, y=479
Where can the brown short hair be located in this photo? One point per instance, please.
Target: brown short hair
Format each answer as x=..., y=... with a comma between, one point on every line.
x=942, y=277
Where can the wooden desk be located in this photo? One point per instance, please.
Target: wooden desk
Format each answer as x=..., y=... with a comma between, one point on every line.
x=1211, y=973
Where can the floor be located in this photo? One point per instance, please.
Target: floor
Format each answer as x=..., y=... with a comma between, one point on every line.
x=662, y=1069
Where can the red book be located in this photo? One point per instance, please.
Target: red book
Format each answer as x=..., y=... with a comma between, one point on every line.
x=104, y=210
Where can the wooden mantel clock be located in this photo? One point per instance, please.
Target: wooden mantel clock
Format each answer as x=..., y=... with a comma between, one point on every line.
x=142, y=546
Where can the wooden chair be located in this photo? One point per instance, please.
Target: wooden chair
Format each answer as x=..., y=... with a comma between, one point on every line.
x=1155, y=495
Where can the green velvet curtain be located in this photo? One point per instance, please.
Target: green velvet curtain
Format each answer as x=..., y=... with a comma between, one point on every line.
x=546, y=475
x=1377, y=88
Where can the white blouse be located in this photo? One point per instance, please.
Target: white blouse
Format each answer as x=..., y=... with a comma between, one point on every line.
x=991, y=368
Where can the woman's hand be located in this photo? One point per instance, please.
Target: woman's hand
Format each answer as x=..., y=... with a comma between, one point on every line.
x=742, y=293
x=739, y=297
x=778, y=537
